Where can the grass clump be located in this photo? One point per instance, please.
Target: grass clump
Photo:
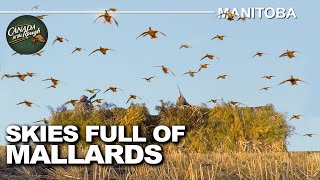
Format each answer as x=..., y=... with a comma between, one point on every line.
x=221, y=128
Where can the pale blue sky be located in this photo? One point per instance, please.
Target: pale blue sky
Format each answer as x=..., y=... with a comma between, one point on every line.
x=134, y=59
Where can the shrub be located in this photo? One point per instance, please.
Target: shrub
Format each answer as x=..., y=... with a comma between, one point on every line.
x=221, y=128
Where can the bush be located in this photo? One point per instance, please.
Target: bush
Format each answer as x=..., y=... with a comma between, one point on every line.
x=221, y=128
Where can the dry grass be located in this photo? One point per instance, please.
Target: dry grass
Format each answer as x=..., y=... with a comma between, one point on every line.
x=178, y=165
x=2, y=155
x=223, y=142
x=222, y=128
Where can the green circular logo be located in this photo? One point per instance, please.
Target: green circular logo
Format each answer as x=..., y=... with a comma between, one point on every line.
x=27, y=34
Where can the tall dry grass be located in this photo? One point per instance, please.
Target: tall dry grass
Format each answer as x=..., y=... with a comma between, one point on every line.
x=264, y=166
x=221, y=128
x=222, y=142
x=2, y=155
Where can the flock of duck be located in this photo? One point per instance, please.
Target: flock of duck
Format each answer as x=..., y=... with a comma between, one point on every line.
x=153, y=34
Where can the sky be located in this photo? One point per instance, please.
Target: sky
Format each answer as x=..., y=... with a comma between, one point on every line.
x=134, y=59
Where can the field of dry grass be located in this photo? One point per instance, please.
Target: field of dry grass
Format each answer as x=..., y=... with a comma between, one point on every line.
x=223, y=142
x=178, y=165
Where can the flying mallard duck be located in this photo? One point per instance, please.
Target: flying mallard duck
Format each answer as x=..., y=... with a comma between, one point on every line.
x=268, y=77
x=39, y=53
x=191, y=73
x=54, y=81
x=15, y=53
x=132, y=97
x=165, y=70
x=113, y=89
x=77, y=49
x=242, y=18
x=215, y=101
x=222, y=76
x=92, y=91
x=151, y=33
x=203, y=66
x=148, y=79
x=235, y=103
x=38, y=38
x=41, y=16
x=310, y=135
x=230, y=16
x=72, y=101
x=35, y=7
x=293, y=81
x=185, y=46
x=289, y=54
x=107, y=18
x=209, y=56
x=259, y=54
x=265, y=88
x=99, y=101
x=31, y=74
x=45, y=121
x=113, y=9
x=220, y=37
x=27, y=103
x=102, y=50
x=295, y=117
x=60, y=39
x=21, y=76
